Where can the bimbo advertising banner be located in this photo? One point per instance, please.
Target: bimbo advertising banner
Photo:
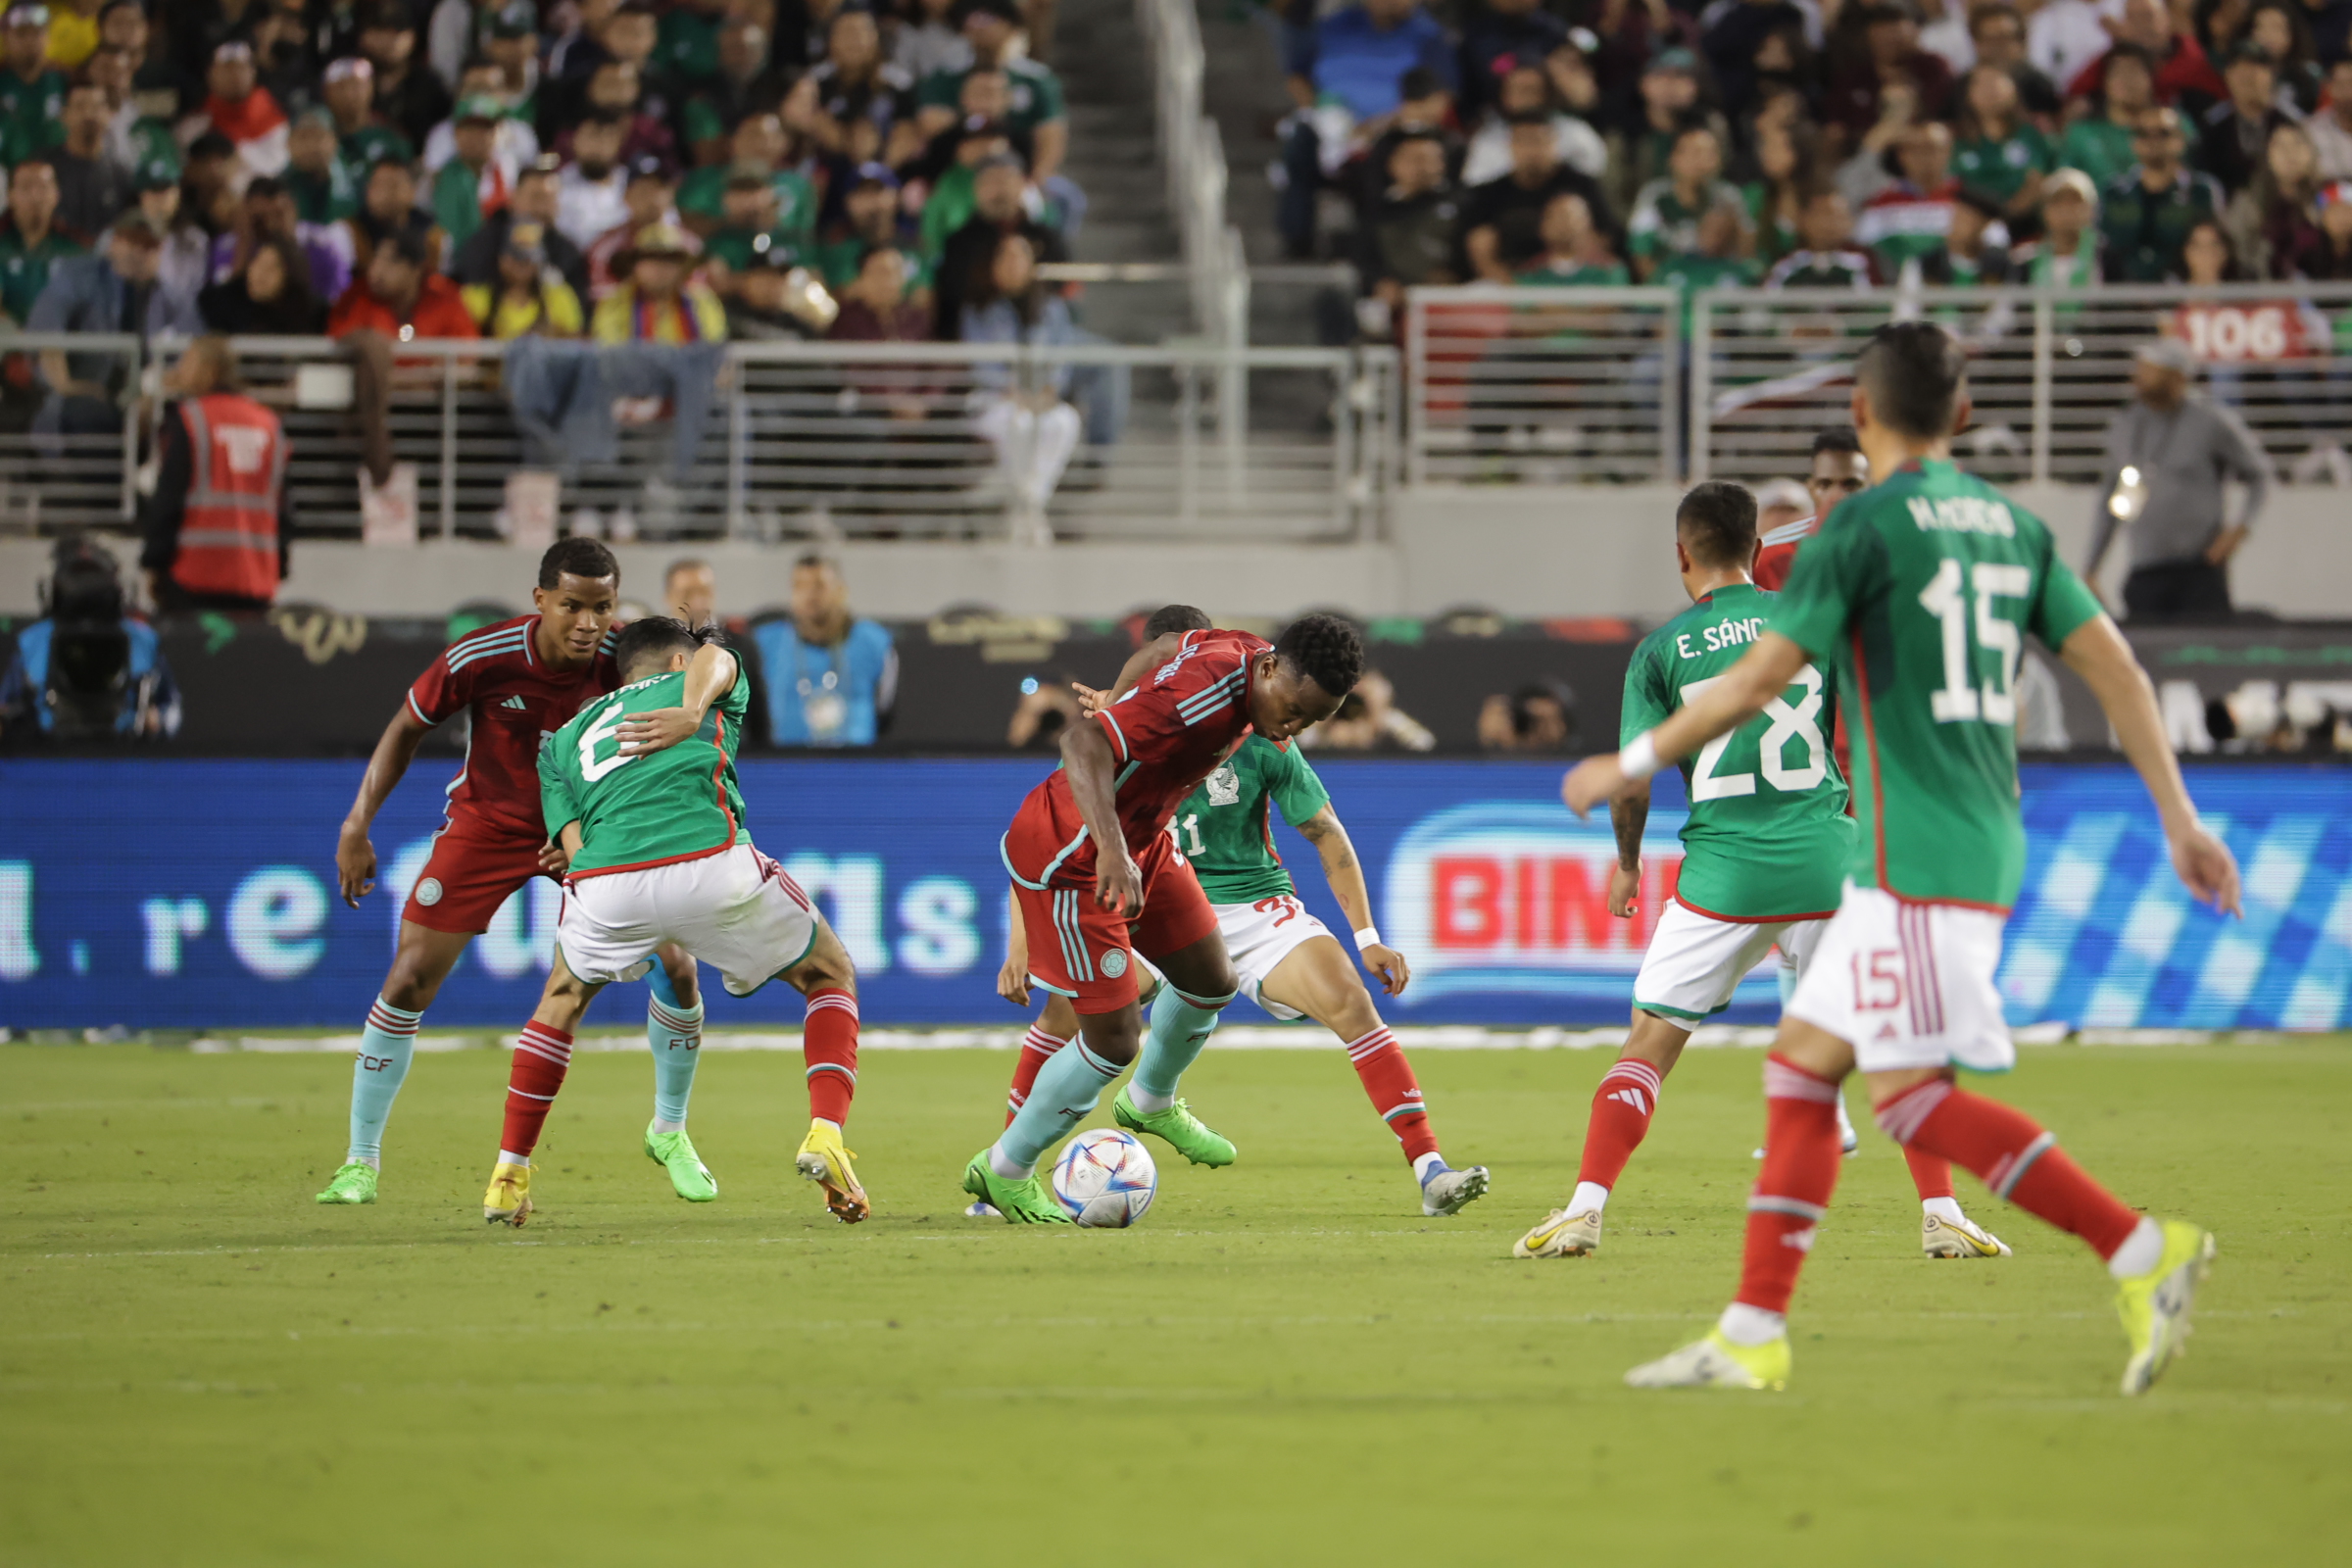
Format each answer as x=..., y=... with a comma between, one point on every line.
x=201, y=894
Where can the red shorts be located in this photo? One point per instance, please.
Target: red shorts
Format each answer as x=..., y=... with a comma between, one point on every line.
x=1086, y=953
x=469, y=875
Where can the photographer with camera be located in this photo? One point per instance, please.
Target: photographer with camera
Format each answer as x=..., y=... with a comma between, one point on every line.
x=86, y=670
x=218, y=524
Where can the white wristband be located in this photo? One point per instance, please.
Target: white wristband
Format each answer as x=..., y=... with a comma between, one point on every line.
x=1639, y=759
x=1368, y=937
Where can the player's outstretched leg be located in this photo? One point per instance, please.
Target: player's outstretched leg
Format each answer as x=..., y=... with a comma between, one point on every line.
x=829, y=1049
x=388, y=1045
x=542, y=1058
x=1944, y=1230
x=1181, y=1024
x=1622, y=1106
x=674, y=1029
x=2157, y=1265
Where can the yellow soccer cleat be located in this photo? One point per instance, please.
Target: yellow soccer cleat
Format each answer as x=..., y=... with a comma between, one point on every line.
x=1561, y=1234
x=1715, y=1362
x=508, y=1199
x=1964, y=1237
x=824, y=1162
x=2155, y=1306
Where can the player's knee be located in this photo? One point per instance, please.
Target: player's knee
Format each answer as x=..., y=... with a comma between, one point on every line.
x=412, y=984
x=1115, y=1037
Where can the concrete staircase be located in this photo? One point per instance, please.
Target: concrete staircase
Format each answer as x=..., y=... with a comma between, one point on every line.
x=1105, y=73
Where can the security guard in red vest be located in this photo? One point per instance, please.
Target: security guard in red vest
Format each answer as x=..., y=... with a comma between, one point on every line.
x=218, y=524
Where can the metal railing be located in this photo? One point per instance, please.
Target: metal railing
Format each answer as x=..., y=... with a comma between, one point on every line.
x=1541, y=385
x=48, y=477
x=823, y=439
x=1193, y=156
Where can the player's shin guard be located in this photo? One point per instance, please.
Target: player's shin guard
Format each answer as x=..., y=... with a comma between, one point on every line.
x=541, y=1059
x=1792, y=1194
x=1395, y=1094
x=675, y=1034
x=1622, y=1106
x=387, y=1046
x=2012, y=1156
x=1180, y=1026
x=829, y=1045
x=1036, y=1051
x=1068, y=1086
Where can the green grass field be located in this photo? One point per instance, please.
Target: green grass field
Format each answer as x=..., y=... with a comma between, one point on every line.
x=1284, y=1364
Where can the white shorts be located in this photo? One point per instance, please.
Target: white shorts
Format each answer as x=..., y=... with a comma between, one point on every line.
x=735, y=910
x=1695, y=961
x=1909, y=984
x=1258, y=936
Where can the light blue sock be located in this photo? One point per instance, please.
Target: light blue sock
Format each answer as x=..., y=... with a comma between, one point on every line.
x=657, y=980
x=675, y=1034
x=1180, y=1026
x=1786, y=975
x=1068, y=1087
x=387, y=1046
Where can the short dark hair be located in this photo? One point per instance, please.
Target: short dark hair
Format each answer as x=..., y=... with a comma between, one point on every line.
x=1326, y=650
x=1419, y=82
x=1716, y=522
x=816, y=560
x=1174, y=619
x=577, y=558
x=1913, y=373
x=1836, y=438
x=657, y=637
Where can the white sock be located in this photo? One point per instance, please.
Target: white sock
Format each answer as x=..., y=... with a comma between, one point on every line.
x=1144, y=1100
x=505, y=1158
x=1946, y=1209
x=663, y=1126
x=1005, y=1165
x=1746, y=1325
x=2140, y=1252
x=1590, y=1196
x=1423, y=1165
x=371, y=1161
x=1845, y=1123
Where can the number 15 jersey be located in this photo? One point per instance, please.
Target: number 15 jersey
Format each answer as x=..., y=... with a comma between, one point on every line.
x=1921, y=588
x=1767, y=836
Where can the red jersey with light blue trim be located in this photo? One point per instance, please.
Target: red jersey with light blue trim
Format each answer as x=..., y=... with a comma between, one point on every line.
x=1779, y=555
x=1168, y=733
x=516, y=701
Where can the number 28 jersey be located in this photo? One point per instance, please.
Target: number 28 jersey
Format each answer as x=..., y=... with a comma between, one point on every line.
x=1921, y=589
x=649, y=808
x=1767, y=836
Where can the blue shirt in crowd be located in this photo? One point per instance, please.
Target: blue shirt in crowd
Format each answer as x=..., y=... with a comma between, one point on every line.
x=1361, y=66
x=837, y=696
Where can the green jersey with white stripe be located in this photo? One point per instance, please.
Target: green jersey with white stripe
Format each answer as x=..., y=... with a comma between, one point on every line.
x=651, y=808
x=1767, y=836
x=1921, y=588
x=1224, y=829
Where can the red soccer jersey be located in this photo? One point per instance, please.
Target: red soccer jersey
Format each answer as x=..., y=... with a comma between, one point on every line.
x=1169, y=732
x=517, y=703
x=1779, y=554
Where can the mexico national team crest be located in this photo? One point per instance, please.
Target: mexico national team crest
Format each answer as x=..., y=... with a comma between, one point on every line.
x=1115, y=963
x=1224, y=786
x=428, y=892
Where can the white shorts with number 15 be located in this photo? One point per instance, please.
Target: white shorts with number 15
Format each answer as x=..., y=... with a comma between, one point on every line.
x=1909, y=984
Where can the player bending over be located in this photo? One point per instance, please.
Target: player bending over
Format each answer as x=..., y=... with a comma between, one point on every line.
x=1921, y=589
x=641, y=796
x=1099, y=880
x=1765, y=848
x=518, y=682
x=1287, y=960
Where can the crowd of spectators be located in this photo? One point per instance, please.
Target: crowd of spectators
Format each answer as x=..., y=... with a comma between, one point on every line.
x=1846, y=143
x=637, y=174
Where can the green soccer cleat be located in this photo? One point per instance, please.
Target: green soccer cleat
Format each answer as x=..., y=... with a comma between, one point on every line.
x=1715, y=1362
x=355, y=1182
x=2155, y=1306
x=1021, y=1199
x=1177, y=1127
x=687, y=1173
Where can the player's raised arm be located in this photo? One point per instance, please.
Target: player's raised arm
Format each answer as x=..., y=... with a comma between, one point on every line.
x=709, y=676
x=1345, y=875
x=1093, y=767
x=2097, y=652
x=1738, y=697
x=395, y=750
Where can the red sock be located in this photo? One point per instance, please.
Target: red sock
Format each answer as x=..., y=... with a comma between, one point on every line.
x=1388, y=1078
x=1931, y=1174
x=1621, y=1110
x=2012, y=1155
x=1036, y=1051
x=829, y=1045
x=532, y=1083
x=1800, y=1171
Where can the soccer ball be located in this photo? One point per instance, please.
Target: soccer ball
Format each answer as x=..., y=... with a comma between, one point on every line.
x=1104, y=1178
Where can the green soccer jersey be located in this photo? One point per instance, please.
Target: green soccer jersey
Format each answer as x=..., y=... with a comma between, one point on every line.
x=677, y=804
x=1223, y=828
x=1767, y=836
x=1921, y=588
x=2000, y=168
